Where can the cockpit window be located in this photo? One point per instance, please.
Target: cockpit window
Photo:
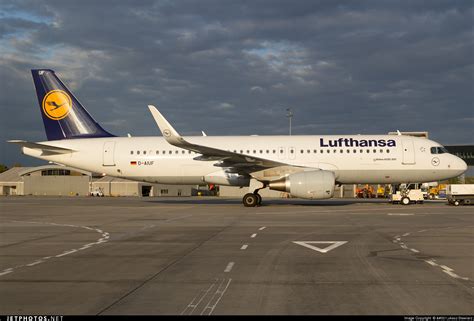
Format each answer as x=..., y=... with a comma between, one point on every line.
x=438, y=150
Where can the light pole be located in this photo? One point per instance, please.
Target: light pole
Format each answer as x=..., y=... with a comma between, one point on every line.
x=290, y=116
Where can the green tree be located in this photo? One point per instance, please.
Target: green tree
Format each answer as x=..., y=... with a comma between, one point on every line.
x=3, y=168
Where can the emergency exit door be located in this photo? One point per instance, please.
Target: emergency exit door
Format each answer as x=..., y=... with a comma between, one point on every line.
x=108, y=154
x=408, y=152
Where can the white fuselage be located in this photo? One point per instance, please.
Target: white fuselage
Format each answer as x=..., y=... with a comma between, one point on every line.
x=152, y=159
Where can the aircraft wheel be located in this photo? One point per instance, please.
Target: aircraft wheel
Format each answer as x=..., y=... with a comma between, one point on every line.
x=259, y=199
x=250, y=200
x=405, y=201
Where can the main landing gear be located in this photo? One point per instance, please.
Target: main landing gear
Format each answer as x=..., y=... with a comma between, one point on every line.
x=252, y=199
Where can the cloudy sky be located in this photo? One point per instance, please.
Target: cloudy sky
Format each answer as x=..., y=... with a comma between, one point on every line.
x=233, y=67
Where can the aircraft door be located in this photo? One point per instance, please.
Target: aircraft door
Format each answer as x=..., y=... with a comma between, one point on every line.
x=408, y=152
x=108, y=154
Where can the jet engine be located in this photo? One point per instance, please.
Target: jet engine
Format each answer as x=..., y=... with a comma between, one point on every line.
x=317, y=184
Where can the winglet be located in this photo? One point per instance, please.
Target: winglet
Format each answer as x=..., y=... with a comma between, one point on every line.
x=169, y=133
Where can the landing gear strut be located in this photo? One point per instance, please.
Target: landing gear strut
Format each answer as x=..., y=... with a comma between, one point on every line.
x=252, y=199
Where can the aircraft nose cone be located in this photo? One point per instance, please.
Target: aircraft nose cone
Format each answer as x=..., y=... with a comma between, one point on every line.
x=460, y=166
x=463, y=165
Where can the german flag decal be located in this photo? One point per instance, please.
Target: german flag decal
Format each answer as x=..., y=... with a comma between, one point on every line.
x=133, y=163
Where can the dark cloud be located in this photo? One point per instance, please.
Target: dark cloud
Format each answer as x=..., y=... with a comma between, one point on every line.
x=232, y=68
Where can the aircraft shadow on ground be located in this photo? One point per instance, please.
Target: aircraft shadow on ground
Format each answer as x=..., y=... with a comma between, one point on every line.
x=266, y=202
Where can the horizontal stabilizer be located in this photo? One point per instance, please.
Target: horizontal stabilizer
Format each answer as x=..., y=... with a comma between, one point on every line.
x=47, y=149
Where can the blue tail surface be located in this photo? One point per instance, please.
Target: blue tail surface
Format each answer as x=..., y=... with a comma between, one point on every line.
x=63, y=115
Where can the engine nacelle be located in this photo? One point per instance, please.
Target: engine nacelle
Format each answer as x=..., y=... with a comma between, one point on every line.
x=312, y=184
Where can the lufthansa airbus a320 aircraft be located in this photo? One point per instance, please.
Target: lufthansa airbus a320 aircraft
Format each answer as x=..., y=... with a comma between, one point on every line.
x=304, y=166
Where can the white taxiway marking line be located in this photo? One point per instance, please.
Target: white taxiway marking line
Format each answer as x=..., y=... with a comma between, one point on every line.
x=65, y=253
x=34, y=263
x=244, y=247
x=262, y=228
x=253, y=235
x=444, y=268
x=103, y=239
x=197, y=300
x=447, y=268
x=229, y=267
x=400, y=214
x=454, y=275
x=431, y=262
x=216, y=298
x=308, y=245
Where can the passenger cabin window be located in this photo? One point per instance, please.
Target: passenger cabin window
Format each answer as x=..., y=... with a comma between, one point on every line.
x=438, y=150
x=131, y=152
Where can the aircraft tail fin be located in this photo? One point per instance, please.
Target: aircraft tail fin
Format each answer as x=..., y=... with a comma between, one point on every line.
x=63, y=115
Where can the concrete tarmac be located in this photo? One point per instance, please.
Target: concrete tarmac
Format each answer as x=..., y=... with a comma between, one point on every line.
x=214, y=256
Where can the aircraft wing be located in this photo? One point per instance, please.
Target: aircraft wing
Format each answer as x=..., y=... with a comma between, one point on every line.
x=241, y=163
x=46, y=149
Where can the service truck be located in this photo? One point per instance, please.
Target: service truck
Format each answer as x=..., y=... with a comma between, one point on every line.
x=460, y=194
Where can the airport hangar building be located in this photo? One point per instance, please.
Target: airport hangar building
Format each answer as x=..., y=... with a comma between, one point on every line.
x=55, y=180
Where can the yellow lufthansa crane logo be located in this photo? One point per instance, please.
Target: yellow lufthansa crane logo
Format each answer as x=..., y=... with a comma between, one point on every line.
x=56, y=104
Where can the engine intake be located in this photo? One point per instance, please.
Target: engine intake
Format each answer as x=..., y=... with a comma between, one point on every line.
x=311, y=184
